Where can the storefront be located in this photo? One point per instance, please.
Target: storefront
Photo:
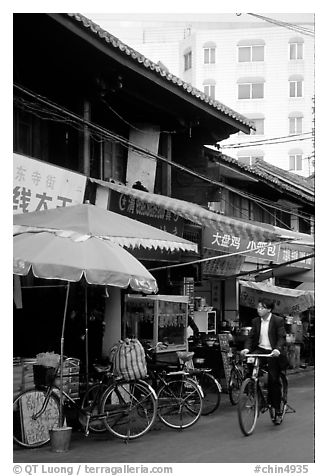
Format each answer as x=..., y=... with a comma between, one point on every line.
x=39, y=303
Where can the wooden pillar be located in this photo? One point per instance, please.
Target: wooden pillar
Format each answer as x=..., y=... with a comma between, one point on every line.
x=86, y=139
x=167, y=170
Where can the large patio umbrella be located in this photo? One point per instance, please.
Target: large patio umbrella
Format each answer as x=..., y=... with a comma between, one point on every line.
x=74, y=233
x=90, y=220
x=51, y=256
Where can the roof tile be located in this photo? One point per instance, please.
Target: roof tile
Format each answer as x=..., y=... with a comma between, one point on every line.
x=116, y=43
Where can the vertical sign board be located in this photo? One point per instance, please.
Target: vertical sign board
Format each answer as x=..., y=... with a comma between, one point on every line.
x=38, y=185
x=224, y=348
x=141, y=168
x=188, y=290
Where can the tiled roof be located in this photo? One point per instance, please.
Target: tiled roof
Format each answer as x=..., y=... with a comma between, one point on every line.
x=296, y=184
x=295, y=179
x=157, y=68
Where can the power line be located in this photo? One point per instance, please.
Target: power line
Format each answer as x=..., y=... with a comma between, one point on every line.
x=270, y=141
x=99, y=133
x=290, y=26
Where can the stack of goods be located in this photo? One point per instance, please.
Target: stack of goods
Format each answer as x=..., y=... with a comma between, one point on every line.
x=71, y=377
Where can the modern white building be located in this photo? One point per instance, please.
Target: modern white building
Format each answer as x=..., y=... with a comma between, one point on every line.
x=260, y=69
x=266, y=73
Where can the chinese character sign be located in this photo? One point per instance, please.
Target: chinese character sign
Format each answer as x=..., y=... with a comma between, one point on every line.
x=38, y=186
x=148, y=213
x=229, y=243
x=222, y=266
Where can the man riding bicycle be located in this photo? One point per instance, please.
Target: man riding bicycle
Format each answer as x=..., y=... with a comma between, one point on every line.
x=268, y=336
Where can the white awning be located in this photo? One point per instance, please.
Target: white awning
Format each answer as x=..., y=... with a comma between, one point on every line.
x=287, y=301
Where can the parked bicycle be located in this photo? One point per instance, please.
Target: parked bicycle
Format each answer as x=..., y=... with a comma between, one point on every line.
x=237, y=376
x=92, y=397
x=127, y=408
x=253, y=397
x=209, y=384
x=180, y=398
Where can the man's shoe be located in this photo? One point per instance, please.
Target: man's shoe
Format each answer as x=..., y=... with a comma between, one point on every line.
x=278, y=417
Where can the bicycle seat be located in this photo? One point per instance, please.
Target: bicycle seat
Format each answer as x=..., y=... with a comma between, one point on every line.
x=102, y=369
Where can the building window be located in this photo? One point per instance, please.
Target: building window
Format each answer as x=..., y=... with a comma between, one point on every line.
x=295, y=89
x=295, y=124
x=296, y=48
x=259, y=127
x=251, y=91
x=295, y=161
x=251, y=53
x=187, y=61
x=209, y=55
x=249, y=159
x=209, y=52
x=296, y=86
x=209, y=89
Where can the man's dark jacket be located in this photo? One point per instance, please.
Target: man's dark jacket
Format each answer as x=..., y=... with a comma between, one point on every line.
x=277, y=336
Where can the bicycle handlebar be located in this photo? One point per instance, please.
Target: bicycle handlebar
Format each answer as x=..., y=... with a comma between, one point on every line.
x=149, y=349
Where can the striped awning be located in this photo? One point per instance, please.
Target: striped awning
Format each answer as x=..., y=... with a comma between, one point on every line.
x=199, y=215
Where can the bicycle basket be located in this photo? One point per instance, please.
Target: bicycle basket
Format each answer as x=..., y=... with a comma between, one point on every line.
x=43, y=376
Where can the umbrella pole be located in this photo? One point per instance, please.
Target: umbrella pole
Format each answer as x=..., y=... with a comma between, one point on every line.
x=62, y=360
x=86, y=340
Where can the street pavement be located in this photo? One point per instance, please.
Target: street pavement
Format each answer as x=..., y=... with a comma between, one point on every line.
x=214, y=438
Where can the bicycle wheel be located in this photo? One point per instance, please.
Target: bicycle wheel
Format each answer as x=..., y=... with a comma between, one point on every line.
x=235, y=383
x=248, y=406
x=30, y=432
x=91, y=404
x=211, y=390
x=130, y=409
x=180, y=403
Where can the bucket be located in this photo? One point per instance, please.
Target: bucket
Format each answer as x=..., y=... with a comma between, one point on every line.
x=60, y=439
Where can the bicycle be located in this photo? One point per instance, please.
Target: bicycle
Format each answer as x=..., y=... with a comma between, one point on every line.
x=127, y=408
x=92, y=397
x=237, y=376
x=209, y=384
x=180, y=398
x=253, y=398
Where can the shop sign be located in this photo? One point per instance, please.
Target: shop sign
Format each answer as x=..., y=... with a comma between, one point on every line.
x=229, y=243
x=38, y=186
x=289, y=253
x=145, y=212
x=228, y=266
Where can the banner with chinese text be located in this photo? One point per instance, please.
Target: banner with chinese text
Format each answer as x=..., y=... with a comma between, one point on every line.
x=227, y=266
x=226, y=243
x=38, y=186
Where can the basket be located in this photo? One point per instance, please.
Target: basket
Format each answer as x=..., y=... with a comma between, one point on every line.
x=43, y=376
